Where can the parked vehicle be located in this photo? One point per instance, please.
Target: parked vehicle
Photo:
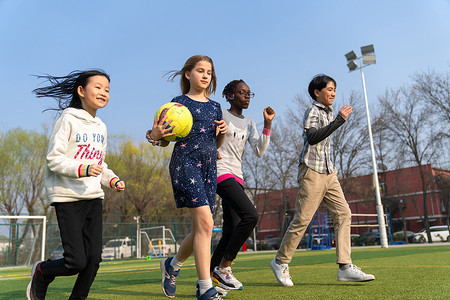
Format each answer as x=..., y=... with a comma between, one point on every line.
x=273, y=243
x=370, y=238
x=57, y=253
x=119, y=248
x=169, y=249
x=303, y=242
x=438, y=234
x=398, y=236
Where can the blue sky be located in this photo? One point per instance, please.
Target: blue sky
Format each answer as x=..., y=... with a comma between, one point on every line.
x=275, y=46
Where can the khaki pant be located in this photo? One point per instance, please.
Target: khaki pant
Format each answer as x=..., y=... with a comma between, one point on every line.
x=313, y=188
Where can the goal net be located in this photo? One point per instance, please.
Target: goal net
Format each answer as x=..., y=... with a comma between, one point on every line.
x=156, y=242
x=22, y=239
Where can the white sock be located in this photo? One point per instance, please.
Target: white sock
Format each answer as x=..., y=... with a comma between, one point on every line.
x=204, y=285
x=176, y=264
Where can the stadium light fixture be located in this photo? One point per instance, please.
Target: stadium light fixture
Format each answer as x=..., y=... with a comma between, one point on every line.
x=352, y=65
x=367, y=49
x=368, y=58
x=351, y=56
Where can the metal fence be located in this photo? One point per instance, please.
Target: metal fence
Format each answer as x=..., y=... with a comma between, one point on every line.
x=21, y=240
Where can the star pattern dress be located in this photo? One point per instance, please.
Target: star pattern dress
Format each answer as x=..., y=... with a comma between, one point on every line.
x=193, y=169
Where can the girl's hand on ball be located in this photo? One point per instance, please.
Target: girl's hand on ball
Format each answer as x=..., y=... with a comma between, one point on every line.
x=221, y=127
x=159, y=129
x=95, y=170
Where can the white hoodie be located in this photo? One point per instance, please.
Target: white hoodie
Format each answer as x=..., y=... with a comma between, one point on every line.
x=77, y=140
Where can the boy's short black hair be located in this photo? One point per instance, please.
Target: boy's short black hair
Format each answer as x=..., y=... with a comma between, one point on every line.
x=318, y=83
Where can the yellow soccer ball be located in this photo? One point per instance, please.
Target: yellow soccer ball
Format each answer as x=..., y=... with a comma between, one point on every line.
x=181, y=118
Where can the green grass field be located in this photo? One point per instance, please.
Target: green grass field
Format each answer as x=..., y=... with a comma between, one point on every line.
x=409, y=272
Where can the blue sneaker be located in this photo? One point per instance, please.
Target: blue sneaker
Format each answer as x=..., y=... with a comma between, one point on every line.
x=220, y=291
x=210, y=294
x=169, y=277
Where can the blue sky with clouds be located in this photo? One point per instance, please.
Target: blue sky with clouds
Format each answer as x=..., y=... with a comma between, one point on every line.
x=275, y=46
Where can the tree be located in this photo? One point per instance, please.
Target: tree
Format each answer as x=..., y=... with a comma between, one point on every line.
x=411, y=126
x=282, y=162
x=148, y=187
x=258, y=177
x=33, y=148
x=434, y=89
x=22, y=179
x=350, y=142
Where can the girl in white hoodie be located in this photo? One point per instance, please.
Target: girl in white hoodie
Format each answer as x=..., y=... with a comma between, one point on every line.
x=75, y=172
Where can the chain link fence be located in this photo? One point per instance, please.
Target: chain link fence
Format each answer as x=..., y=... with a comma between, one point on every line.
x=21, y=240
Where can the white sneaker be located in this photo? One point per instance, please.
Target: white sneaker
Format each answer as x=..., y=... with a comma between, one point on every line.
x=281, y=273
x=224, y=278
x=353, y=273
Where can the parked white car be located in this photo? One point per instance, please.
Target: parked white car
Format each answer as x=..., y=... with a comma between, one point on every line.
x=438, y=234
x=119, y=248
x=57, y=253
x=170, y=249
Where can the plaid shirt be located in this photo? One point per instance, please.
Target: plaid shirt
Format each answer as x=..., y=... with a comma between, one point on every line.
x=317, y=157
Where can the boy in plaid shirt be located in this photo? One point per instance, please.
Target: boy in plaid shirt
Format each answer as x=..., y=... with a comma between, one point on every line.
x=317, y=178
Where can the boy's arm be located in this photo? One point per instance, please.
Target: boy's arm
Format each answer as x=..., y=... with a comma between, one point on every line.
x=315, y=135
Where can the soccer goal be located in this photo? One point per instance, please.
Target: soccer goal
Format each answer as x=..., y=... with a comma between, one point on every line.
x=22, y=241
x=156, y=242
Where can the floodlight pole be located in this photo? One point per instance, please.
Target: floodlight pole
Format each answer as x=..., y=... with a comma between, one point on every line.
x=379, y=207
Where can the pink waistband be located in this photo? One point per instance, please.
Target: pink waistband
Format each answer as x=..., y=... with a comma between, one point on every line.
x=227, y=176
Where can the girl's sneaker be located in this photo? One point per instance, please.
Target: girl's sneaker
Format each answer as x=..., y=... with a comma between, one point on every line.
x=169, y=277
x=224, y=278
x=37, y=288
x=210, y=294
x=222, y=292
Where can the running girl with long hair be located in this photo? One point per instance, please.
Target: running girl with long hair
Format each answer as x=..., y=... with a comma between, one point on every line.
x=76, y=169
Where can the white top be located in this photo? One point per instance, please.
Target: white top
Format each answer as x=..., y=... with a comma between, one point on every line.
x=77, y=140
x=240, y=130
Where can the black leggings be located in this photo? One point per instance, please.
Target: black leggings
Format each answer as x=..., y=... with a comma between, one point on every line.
x=239, y=219
x=80, y=226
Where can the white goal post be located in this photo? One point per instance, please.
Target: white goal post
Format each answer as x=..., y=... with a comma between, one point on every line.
x=44, y=227
x=158, y=234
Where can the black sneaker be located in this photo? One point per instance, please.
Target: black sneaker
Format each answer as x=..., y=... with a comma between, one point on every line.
x=37, y=288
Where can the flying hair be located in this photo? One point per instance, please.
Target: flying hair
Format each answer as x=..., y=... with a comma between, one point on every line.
x=64, y=89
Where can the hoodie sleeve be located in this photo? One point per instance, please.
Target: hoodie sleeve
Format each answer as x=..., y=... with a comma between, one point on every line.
x=108, y=179
x=57, y=160
x=259, y=144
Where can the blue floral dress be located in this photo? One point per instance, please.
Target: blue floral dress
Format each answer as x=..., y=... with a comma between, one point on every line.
x=193, y=169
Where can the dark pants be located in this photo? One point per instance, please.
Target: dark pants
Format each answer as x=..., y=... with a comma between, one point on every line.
x=80, y=226
x=239, y=219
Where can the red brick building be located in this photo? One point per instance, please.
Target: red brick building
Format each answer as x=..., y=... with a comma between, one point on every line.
x=402, y=197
